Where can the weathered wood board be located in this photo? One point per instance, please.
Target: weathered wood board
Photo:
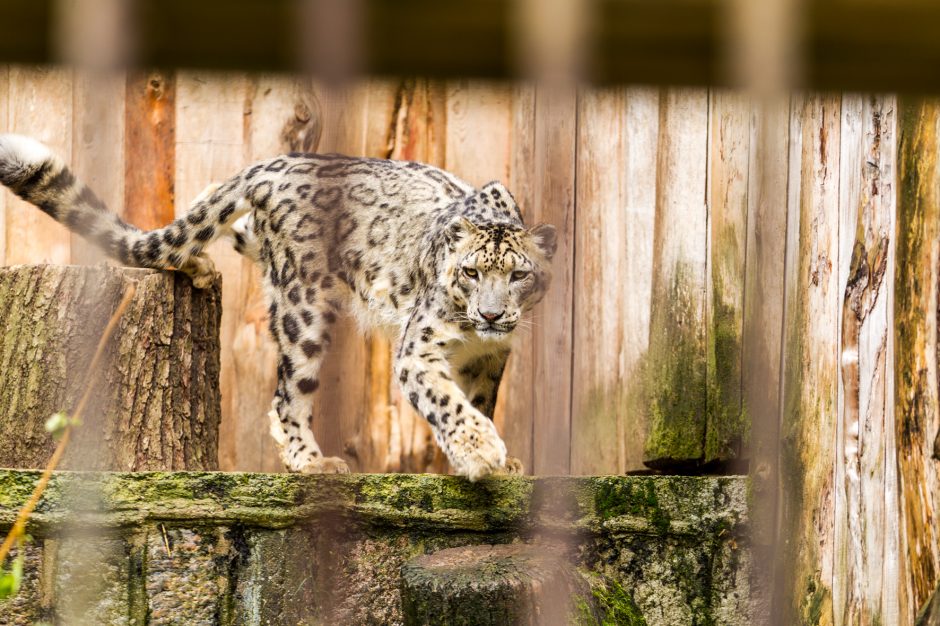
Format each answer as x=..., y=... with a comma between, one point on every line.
x=676, y=385
x=916, y=343
x=39, y=103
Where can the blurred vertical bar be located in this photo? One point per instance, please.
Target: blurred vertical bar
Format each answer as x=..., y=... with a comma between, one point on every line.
x=92, y=37
x=762, y=52
x=550, y=46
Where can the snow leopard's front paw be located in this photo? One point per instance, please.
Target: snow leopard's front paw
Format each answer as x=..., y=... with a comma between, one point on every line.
x=325, y=465
x=475, y=449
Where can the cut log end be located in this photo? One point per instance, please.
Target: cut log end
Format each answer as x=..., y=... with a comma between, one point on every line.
x=482, y=585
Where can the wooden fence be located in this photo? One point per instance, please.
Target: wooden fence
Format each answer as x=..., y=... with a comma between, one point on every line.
x=720, y=264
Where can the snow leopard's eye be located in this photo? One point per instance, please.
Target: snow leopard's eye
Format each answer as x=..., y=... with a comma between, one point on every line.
x=519, y=275
x=469, y=272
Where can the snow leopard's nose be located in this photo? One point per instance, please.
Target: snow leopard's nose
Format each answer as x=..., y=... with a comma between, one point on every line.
x=490, y=316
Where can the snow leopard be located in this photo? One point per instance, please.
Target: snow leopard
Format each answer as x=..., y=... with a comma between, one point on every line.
x=446, y=270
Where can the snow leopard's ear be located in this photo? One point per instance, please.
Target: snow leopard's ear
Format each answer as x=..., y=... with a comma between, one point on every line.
x=545, y=239
x=459, y=229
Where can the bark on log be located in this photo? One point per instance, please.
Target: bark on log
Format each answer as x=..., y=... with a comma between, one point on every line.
x=482, y=585
x=155, y=404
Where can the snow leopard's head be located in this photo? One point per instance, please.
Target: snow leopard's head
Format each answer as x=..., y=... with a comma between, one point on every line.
x=496, y=271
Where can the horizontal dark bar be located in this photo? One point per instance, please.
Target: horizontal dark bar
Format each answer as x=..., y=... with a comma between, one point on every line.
x=854, y=45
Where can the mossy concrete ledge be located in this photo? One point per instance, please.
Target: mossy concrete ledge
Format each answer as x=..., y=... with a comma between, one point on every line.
x=231, y=548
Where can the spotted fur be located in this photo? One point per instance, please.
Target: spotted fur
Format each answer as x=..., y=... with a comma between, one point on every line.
x=444, y=268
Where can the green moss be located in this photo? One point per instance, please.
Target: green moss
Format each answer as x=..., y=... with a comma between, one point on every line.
x=610, y=605
x=497, y=501
x=674, y=375
x=636, y=498
x=817, y=597
x=727, y=426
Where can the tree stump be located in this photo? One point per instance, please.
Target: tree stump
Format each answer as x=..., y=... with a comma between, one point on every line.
x=156, y=399
x=486, y=585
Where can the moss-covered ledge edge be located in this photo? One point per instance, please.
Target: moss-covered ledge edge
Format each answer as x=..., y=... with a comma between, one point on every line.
x=674, y=505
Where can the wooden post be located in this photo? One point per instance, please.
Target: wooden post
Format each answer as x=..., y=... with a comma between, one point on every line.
x=156, y=400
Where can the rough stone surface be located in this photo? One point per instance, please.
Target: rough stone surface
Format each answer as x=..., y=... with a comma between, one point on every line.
x=186, y=576
x=271, y=549
x=507, y=584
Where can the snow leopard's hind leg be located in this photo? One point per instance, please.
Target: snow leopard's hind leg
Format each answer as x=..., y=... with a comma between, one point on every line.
x=301, y=317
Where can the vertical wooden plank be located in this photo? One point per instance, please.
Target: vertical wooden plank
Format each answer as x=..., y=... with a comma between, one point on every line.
x=476, y=157
x=378, y=441
x=418, y=133
x=762, y=332
x=4, y=127
x=598, y=395
x=850, y=147
x=617, y=148
x=480, y=158
x=40, y=106
x=150, y=149
x=867, y=206
x=346, y=407
x=676, y=362
x=98, y=145
x=514, y=402
x=811, y=365
x=279, y=115
x=727, y=196
x=915, y=341
x=554, y=202
x=210, y=140
x=343, y=397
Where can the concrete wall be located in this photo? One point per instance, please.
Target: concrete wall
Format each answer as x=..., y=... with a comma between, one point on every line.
x=220, y=548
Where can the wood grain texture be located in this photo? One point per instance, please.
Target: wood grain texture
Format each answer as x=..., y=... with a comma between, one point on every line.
x=280, y=115
x=915, y=340
x=554, y=203
x=150, y=148
x=40, y=105
x=377, y=444
x=617, y=147
x=811, y=364
x=514, y=401
x=418, y=132
x=729, y=136
x=479, y=149
x=863, y=530
x=598, y=395
x=98, y=145
x=155, y=404
x=210, y=147
x=676, y=362
x=344, y=404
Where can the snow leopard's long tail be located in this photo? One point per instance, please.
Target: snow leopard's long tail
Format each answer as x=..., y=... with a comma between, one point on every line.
x=38, y=176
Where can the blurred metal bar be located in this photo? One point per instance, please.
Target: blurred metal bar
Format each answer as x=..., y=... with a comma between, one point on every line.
x=873, y=45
